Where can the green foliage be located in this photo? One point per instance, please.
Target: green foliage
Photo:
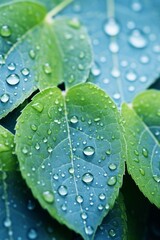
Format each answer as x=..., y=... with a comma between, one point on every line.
x=71, y=140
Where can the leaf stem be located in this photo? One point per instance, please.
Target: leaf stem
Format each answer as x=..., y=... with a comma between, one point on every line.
x=56, y=10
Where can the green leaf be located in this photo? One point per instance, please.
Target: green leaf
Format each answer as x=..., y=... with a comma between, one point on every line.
x=142, y=130
x=72, y=148
x=36, y=53
x=125, y=43
x=21, y=217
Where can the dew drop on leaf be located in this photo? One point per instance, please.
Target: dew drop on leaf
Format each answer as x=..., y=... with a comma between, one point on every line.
x=64, y=207
x=84, y=216
x=11, y=66
x=32, y=54
x=25, y=71
x=7, y=222
x=62, y=190
x=156, y=178
x=89, y=151
x=74, y=119
x=48, y=196
x=145, y=152
x=142, y=172
x=102, y=196
x=5, y=31
x=131, y=76
x=38, y=107
x=71, y=170
x=100, y=207
x=112, y=166
x=5, y=98
x=89, y=230
x=24, y=150
x=79, y=199
x=13, y=79
x=112, y=27
x=32, y=234
x=74, y=23
x=137, y=39
x=112, y=233
x=47, y=68
x=112, y=181
x=87, y=178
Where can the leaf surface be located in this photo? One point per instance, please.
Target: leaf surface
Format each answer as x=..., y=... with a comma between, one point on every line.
x=125, y=43
x=21, y=217
x=72, y=149
x=142, y=137
x=36, y=53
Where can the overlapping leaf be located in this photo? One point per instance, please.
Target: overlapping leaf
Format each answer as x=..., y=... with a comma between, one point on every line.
x=21, y=217
x=125, y=42
x=142, y=138
x=37, y=52
x=71, y=154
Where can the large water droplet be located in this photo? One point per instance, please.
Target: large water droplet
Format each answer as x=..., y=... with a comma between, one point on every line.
x=102, y=196
x=79, y=199
x=13, y=79
x=5, y=31
x=74, y=119
x=7, y=222
x=71, y=170
x=64, y=207
x=5, y=98
x=47, y=68
x=89, y=151
x=87, y=178
x=84, y=216
x=112, y=181
x=145, y=152
x=24, y=150
x=11, y=66
x=62, y=190
x=131, y=76
x=137, y=39
x=112, y=27
x=113, y=47
x=112, y=166
x=89, y=230
x=32, y=234
x=48, y=196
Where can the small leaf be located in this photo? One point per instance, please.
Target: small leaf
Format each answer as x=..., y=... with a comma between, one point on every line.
x=38, y=54
x=142, y=138
x=75, y=146
x=21, y=217
x=125, y=43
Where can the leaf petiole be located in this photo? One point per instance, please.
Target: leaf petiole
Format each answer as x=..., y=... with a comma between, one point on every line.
x=56, y=10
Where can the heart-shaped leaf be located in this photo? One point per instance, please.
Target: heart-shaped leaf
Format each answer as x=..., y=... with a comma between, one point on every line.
x=71, y=154
x=36, y=53
x=21, y=217
x=142, y=133
x=125, y=42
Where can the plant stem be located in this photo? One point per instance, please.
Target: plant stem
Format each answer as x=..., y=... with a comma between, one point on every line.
x=56, y=10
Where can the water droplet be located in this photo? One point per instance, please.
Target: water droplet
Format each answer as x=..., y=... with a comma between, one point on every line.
x=144, y=59
x=84, y=216
x=7, y=222
x=112, y=166
x=13, y=79
x=50, y=149
x=64, y=207
x=55, y=176
x=117, y=96
x=5, y=98
x=62, y=190
x=47, y=68
x=34, y=127
x=142, y=172
x=100, y=207
x=145, y=152
x=71, y=170
x=87, y=178
x=81, y=55
x=136, y=152
x=30, y=205
x=131, y=76
x=102, y=196
x=137, y=39
x=79, y=199
x=11, y=66
x=48, y=196
x=112, y=181
x=115, y=72
x=74, y=23
x=95, y=70
x=37, y=147
x=89, y=151
x=156, y=178
x=89, y=230
x=24, y=150
x=112, y=27
x=74, y=119
x=25, y=71
x=113, y=47
x=32, y=54
x=38, y=107
x=32, y=234
x=136, y=6
x=2, y=59
x=5, y=31
x=108, y=152
x=112, y=233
